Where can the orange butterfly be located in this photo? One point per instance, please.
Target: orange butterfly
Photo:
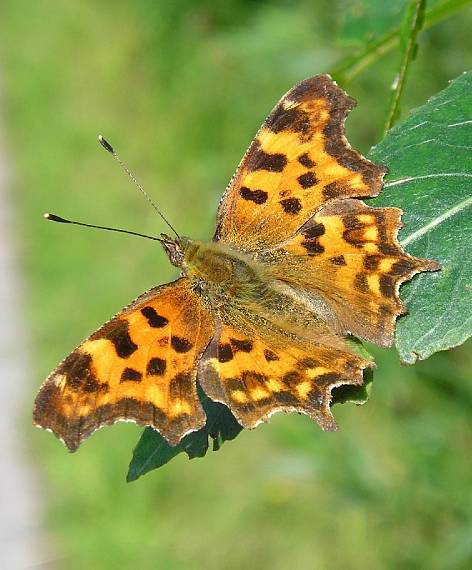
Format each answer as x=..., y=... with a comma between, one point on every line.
x=261, y=316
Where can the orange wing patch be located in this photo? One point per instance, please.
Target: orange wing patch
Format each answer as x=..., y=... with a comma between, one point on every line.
x=255, y=378
x=140, y=366
x=349, y=253
x=298, y=161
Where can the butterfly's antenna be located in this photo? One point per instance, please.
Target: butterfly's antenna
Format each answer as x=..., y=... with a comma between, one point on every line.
x=55, y=218
x=107, y=146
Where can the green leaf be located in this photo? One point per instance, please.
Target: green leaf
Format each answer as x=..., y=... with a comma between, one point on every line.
x=153, y=451
x=429, y=157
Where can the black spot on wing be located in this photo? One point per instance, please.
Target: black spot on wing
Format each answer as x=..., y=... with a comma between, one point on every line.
x=253, y=379
x=130, y=375
x=328, y=379
x=154, y=319
x=286, y=398
x=314, y=230
x=308, y=362
x=352, y=222
x=77, y=368
x=117, y=333
x=242, y=345
x=180, y=344
x=156, y=367
x=338, y=260
x=387, y=248
x=225, y=352
x=306, y=161
x=311, y=241
x=260, y=160
x=291, y=205
x=353, y=231
x=307, y=180
x=256, y=196
x=270, y=356
x=313, y=247
x=293, y=119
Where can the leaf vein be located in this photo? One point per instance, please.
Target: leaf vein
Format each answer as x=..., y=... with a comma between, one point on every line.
x=438, y=220
x=425, y=176
x=461, y=123
x=444, y=314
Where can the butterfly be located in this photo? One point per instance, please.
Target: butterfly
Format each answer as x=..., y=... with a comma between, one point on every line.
x=263, y=316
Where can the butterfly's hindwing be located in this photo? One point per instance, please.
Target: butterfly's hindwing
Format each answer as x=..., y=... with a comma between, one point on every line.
x=256, y=378
x=349, y=253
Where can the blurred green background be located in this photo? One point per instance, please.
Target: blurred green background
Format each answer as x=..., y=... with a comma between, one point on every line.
x=180, y=89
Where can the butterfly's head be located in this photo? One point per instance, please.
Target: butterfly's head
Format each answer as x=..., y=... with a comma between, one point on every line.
x=174, y=248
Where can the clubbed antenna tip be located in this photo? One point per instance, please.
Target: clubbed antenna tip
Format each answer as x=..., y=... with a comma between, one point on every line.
x=105, y=144
x=55, y=218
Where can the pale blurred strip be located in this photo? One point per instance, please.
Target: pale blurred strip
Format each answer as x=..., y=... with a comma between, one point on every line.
x=21, y=538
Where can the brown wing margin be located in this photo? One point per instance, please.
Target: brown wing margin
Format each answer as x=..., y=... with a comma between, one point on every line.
x=139, y=367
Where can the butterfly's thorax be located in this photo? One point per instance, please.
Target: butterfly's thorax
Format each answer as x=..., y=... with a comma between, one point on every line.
x=223, y=272
x=240, y=289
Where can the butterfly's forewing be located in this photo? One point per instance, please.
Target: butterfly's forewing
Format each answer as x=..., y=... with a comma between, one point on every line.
x=140, y=366
x=299, y=161
x=349, y=253
x=256, y=377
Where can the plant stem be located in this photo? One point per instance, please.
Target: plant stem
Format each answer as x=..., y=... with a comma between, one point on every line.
x=411, y=25
x=350, y=67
